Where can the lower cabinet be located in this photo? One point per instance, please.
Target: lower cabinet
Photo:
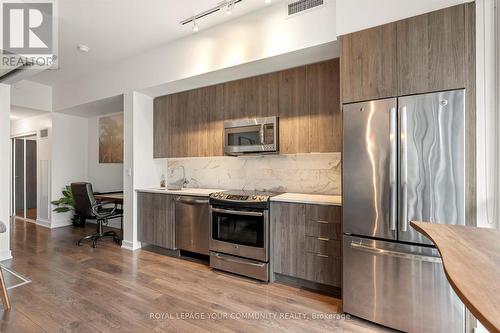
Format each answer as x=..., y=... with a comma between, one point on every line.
x=156, y=219
x=306, y=242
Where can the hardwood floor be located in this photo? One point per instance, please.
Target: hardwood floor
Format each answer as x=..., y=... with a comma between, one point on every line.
x=108, y=289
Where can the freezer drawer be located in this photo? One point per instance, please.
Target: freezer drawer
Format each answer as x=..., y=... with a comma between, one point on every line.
x=399, y=286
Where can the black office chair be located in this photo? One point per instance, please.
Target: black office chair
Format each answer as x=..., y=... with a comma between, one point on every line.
x=89, y=208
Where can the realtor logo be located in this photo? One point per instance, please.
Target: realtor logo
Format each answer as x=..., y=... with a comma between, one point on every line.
x=28, y=34
x=28, y=28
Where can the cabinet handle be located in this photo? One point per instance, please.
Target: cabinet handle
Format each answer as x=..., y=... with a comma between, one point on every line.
x=319, y=255
x=323, y=239
x=321, y=221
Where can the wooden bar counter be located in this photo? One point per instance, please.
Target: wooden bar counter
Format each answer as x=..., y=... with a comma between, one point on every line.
x=471, y=260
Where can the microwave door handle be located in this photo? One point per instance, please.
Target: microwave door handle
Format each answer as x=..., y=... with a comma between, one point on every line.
x=262, y=138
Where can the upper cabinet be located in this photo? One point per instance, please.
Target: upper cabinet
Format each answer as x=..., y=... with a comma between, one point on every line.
x=325, y=118
x=369, y=66
x=425, y=53
x=431, y=51
x=293, y=111
x=306, y=99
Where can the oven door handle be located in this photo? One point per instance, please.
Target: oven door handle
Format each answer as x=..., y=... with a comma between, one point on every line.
x=237, y=212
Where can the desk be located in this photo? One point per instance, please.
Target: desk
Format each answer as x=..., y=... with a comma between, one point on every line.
x=471, y=260
x=116, y=198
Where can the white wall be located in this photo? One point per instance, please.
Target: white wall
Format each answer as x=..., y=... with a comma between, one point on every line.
x=69, y=158
x=32, y=95
x=140, y=167
x=259, y=35
x=5, y=151
x=105, y=177
x=44, y=157
x=355, y=15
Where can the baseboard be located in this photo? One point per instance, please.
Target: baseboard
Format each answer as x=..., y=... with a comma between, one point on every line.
x=43, y=223
x=131, y=246
x=5, y=255
x=60, y=224
x=308, y=285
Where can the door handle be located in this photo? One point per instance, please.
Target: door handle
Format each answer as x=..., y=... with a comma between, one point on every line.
x=391, y=253
x=237, y=212
x=191, y=201
x=393, y=168
x=404, y=168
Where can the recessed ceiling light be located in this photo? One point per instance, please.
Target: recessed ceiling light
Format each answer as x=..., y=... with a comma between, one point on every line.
x=268, y=1
x=83, y=48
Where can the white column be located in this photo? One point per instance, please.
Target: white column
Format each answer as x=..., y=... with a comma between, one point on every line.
x=5, y=160
x=140, y=169
x=487, y=119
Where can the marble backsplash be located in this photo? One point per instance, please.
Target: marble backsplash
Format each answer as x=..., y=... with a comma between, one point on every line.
x=318, y=173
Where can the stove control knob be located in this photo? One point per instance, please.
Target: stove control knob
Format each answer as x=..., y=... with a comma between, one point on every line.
x=254, y=197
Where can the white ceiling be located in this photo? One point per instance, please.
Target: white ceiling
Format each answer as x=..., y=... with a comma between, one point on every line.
x=100, y=107
x=118, y=29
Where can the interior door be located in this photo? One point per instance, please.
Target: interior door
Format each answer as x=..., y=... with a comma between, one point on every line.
x=432, y=175
x=370, y=168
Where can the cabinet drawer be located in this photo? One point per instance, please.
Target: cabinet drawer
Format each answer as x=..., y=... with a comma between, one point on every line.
x=322, y=246
x=324, y=269
x=323, y=213
x=323, y=229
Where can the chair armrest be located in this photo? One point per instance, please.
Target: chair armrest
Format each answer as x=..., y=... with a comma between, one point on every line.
x=104, y=202
x=96, y=206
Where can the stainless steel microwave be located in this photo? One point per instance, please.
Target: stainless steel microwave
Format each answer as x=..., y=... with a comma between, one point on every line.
x=257, y=135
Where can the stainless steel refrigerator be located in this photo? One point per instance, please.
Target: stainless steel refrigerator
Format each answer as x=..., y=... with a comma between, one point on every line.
x=403, y=160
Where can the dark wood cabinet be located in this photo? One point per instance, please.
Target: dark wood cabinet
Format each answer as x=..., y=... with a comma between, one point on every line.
x=293, y=111
x=369, y=64
x=155, y=214
x=306, y=242
x=306, y=99
x=161, y=128
x=288, y=241
x=325, y=117
x=421, y=54
x=431, y=51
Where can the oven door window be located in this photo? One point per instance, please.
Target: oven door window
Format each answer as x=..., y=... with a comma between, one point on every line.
x=244, y=136
x=238, y=229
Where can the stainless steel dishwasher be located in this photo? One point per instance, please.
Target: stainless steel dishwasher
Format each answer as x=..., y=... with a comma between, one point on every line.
x=192, y=224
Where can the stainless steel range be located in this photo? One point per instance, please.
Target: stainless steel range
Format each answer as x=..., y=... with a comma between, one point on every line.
x=239, y=233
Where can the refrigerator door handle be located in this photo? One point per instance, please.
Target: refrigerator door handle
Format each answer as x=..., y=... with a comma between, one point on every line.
x=404, y=168
x=393, y=168
x=391, y=253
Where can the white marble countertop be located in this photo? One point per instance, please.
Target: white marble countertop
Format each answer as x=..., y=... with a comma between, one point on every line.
x=316, y=199
x=197, y=192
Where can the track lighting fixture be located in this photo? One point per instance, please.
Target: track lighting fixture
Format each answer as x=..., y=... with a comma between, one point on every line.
x=227, y=5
